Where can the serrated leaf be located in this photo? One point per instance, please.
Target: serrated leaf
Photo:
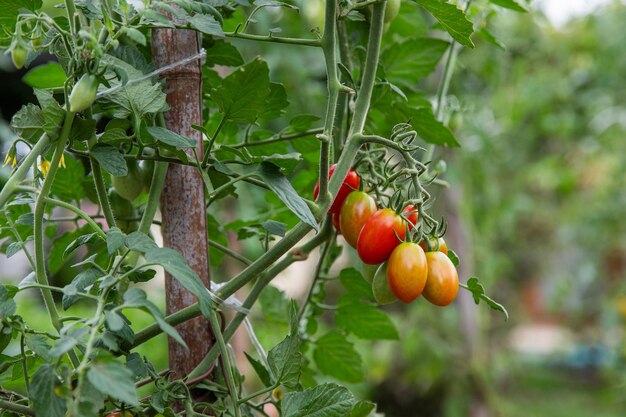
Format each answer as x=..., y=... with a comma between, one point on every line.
x=206, y=24
x=175, y=265
x=326, y=400
x=241, y=96
x=115, y=240
x=453, y=257
x=362, y=409
x=452, y=19
x=140, y=242
x=489, y=37
x=28, y=122
x=49, y=75
x=38, y=343
x=7, y=305
x=285, y=360
x=278, y=183
x=406, y=62
x=364, y=320
x=67, y=342
x=136, y=298
x=110, y=158
x=274, y=305
x=356, y=285
x=78, y=242
x=113, y=379
x=260, y=370
x=53, y=114
x=335, y=356
x=79, y=284
x=223, y=53
x=42, y=387
x=478, y=293
x=432, y=130
x=275, y=103
x=171, y=138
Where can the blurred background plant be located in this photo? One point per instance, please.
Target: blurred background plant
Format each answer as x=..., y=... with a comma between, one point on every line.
x=538, y=206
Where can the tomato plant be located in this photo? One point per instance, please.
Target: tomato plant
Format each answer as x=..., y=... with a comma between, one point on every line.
x=442, y=283
x=438, y=244
x=195, y=103
x=356, y=209
x=407, y=270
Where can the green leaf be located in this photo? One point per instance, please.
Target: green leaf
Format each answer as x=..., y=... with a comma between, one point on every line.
x=136, y=99
x=453, y=257
x=175, y=265
x=38, y=343
x=140, y=242
x=260, y=370
x=275, y=228
x=110, y=158
x=136, y=298
x=50, y=75
x=115, y=240
x=478, y=293
x=7, y=305
x=362, y=409
x=275, y=103
x=489, y=37
x=452, y=19
x=356, y=285
x=53, y=114
x=9, y=9
x=302, y=122
x=78, y=242
x=28, y=122
x=241, y=96
x=67, y=342
x=274, y=305
x=278, y=183
x=364, y=320
x=55, y=256
x=79, y=284
x=326, y=400
x=335, y=356
x=430, y=129
x=285, y=360
x=223, y=53
x=509, y=4
x=405, y=63
x=41, y=393
x=113, y=379
x=206, y=24
x=171, y=138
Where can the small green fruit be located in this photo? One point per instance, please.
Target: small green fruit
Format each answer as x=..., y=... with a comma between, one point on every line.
x=380, y=287
x=84, y=93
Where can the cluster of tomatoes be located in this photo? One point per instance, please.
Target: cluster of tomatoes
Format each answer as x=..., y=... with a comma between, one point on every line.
x=407, y=269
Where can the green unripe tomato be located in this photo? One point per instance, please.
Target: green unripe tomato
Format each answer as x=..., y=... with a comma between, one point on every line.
x=19, y=54
x=146, y=170
x=131, y=185
x=84, y=93
x=122, y=210
x=380, y=287
x=392, y=8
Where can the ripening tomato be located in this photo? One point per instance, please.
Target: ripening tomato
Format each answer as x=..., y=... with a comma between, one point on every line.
x=442, y=283
x=380, y=235
x=435, y=245
x=411, y=217
x=350, y=183
x=407, y=271
x=355, y=210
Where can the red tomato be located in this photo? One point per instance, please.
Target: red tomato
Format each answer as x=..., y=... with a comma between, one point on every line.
x=442, y=283
x=435, y=244
x=356, y=209
x=411, y=217
x=407, y=271
x=350, y=183
x=378, y=236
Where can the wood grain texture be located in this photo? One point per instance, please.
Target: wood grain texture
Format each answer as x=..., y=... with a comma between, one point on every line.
x=183, y=198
